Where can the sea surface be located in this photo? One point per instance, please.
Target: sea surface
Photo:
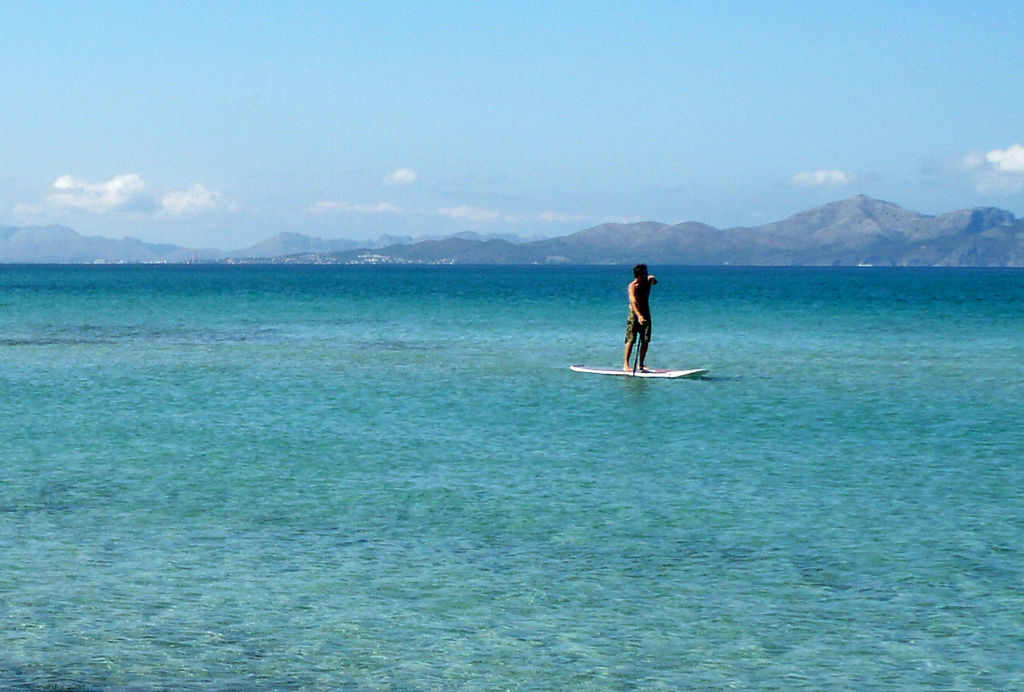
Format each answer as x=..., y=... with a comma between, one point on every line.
x=387, y=478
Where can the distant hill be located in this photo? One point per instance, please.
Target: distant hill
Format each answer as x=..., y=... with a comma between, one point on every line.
x=294, y=244
x=863, y=230
x=285, y=244
x=61, y=245
x=856, y=231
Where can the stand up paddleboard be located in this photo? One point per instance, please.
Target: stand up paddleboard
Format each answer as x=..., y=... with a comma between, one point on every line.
x=664, y=374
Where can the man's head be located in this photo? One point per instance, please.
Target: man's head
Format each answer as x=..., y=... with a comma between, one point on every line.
x=639, y=271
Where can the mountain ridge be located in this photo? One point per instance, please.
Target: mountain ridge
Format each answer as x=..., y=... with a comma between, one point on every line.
x=860, y=230
x=856, y=231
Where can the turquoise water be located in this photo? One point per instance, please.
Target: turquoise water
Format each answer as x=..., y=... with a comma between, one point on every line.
x=269, y=478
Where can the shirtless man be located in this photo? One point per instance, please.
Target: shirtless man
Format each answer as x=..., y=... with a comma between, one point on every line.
x=639, y=323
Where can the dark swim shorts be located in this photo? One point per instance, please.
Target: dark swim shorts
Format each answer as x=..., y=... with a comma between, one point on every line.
x=634, y=329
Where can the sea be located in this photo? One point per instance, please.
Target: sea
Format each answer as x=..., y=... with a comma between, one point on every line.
x=387, y=478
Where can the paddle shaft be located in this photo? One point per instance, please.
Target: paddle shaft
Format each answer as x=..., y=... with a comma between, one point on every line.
x=639, y=345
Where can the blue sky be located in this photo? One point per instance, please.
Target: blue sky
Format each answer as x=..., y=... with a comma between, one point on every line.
x=220, y=124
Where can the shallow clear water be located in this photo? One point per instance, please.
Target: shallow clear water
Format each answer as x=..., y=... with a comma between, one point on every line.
x=387, y=478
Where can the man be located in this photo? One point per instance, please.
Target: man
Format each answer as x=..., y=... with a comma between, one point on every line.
x=639, y=323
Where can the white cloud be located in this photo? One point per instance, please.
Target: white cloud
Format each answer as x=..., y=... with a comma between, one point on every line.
x=191, y=201
x=403, y=176
x=469, y=213
x=1010, y=160
x=974, y=161
x=559, y=217
x=332, y=207
x=822, y=178
x=998, y=184
x=997, y=171
x=121, y=193
x=29, y=210
x=128, y=193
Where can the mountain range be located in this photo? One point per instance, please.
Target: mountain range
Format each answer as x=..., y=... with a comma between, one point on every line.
x=856, y=231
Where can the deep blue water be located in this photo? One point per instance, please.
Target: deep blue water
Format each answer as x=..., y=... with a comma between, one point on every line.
x=221, y=478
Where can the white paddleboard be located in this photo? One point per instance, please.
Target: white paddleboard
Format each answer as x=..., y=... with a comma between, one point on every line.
x=667, y=374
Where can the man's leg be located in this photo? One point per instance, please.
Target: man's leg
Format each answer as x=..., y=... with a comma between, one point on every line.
x=645, y=341
x=629, y=351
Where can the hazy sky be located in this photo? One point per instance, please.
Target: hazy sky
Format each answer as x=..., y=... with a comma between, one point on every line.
x=220, y=124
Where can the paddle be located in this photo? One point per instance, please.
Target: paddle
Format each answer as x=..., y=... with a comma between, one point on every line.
x=639, y=345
